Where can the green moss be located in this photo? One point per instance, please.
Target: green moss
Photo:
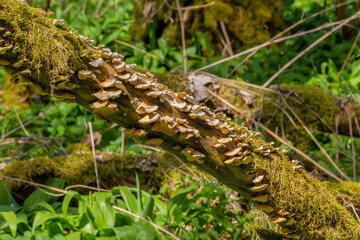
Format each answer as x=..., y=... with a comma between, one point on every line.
x=15, y=95
x=78, y=168
x=313, y=206
x=55, y=53
x=312, y=104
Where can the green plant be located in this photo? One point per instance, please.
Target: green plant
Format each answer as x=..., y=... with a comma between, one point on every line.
x=200, y=211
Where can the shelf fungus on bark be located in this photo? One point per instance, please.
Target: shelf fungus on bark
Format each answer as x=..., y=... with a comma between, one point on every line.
x=137, y=133
x=149, y=118
x=6, y=48
x=265, y=208
x=96, y=63
x=107, y=94
x=143, y=86
x=144, y=108
x=193, y=155
x=67, y=85
x=155, y=142
x=19, y=63
x=155, y=94
x=121, y=67
x=63, y=95
x=125, y=76
x=260, y=198
x=233, y=152
x=278, y=219
x=133, y=79
x=259, y=187
x=104, y=107
x=258, y=179
x=84, y=74
x=165, y=125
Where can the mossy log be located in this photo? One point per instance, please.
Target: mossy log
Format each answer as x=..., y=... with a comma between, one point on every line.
x=39, y=51
x=78, y=168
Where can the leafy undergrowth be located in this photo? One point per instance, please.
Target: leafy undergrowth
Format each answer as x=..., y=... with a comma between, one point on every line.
x=203, y=210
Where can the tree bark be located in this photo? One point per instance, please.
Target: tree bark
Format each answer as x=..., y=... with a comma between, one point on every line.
x=40, y=52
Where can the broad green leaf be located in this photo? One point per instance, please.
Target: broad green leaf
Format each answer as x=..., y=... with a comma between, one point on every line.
x=126, y=233
x=11, y=219
x=129, y=200
x=5, y=196
x=70, y=195
x=73, y=236
x=102, y=210
x=40, y=218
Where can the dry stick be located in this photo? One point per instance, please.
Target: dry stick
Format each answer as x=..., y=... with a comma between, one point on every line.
x=144, y=52
x=266, y=98
x=21, y=124
x=153, y=224
x=182, y=35
x=27, y=139
x=30, y=121
x=94, y=155
x=195, y=7
x=347, y=59
x=269, y=43
x=357, y=216
x=35, y=184
x=352, y=143
x=227, y=39
x=316, y=142
x=279, y=139
x=308, y=48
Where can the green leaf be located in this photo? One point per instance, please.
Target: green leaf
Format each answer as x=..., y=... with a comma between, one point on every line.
x=102, y=210
x=149, y=207
x=139, y=195
x=70, y=195
x=5, y=196
x=73, y=236
x=11, y=219
x=129, y=200
x=40, y=218
x=125, y=233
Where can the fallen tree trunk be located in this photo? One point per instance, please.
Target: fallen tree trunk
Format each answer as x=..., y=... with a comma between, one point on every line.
x=39, y=51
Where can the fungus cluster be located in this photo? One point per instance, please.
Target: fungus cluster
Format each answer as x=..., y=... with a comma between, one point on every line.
x=160, y=111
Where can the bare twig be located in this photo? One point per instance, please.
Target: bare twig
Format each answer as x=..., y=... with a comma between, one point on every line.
x=227, y=39
x=256, y=48
x=195, y=7
x=281, y=140
x=28, y=139
x=153, y=224
x=21, y=124
x=94, y=155
x=357, y=216
x=182, y=35
x=347, y=59
x=315, y=140
x=287, y=30
x=352, y=143
x=310, y=47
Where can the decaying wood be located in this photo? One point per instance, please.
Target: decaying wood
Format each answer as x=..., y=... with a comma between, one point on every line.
x=39, y=51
